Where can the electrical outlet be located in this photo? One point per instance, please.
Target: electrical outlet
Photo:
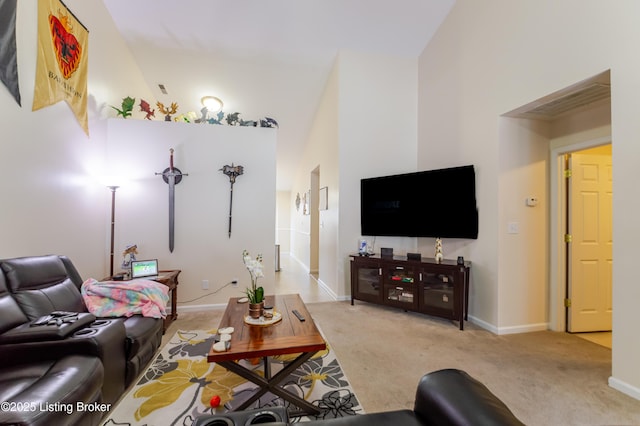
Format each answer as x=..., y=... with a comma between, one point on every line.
x=234, y=282
x=513, y=228
x=205, y=284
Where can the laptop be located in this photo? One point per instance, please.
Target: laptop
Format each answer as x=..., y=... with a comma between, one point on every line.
x=144, y=269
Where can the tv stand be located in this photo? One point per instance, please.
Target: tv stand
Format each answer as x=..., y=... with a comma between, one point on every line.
x=426, y=286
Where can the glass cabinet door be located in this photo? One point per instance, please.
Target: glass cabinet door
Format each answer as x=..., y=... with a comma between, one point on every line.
x=400, y=287
x=401, y=296
x=438, y=294
x=368, y=280
x=399, y=275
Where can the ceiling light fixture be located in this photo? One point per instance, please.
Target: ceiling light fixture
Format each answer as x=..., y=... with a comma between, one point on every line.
x=212, y=103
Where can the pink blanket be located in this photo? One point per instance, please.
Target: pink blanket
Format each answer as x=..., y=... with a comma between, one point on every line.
x=125, y=298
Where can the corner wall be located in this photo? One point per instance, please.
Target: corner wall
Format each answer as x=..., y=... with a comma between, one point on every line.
x=492, y=57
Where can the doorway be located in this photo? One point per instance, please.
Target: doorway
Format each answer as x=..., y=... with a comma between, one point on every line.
x=579, y=117
x=573, y=281
x=590, y=238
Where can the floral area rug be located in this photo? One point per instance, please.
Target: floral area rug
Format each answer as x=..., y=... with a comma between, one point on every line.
x=179, y=385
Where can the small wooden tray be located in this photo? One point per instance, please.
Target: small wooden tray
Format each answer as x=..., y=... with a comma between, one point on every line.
x=262, y=321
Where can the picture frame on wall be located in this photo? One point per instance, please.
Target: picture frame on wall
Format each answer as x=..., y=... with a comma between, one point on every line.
x=305, y=202
x=324, y=198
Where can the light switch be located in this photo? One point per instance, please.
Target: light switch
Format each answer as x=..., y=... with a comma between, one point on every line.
x=513, y=228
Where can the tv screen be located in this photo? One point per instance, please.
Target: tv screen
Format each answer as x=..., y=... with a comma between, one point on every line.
x=433, y=203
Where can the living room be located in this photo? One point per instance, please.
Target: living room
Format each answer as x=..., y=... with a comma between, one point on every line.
x=485, y=60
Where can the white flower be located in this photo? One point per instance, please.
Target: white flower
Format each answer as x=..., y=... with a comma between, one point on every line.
x=254, y=266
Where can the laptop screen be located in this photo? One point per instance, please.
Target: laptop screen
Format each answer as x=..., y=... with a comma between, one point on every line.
x=144, y=268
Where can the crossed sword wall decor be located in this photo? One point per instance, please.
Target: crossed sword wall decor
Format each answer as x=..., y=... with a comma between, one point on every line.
x=171, y=176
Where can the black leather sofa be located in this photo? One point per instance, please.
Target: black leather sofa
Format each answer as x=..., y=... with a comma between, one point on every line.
x=445, y=397
x=48, y=372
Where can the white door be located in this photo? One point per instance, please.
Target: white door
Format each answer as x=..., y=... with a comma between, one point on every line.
x=590, y=250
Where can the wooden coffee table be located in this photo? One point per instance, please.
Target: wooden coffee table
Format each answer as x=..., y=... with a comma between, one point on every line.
x=288, y=336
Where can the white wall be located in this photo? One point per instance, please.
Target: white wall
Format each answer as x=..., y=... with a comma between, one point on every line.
x=491, y=57
x=52, y=201
x=283, y=220
x=591, y=124
x=378, y=136
x=365, y=126
x=522, y=292
x=137, y=149
x=55, y=200
x=321, y=152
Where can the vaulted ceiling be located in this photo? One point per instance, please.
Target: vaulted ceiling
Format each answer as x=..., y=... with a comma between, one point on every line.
x=265, y=58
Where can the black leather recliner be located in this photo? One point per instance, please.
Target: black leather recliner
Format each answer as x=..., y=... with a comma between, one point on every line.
x=46, y=391
x=109, y=351
x=42, y=284
x=445, y=397
x=40, y=386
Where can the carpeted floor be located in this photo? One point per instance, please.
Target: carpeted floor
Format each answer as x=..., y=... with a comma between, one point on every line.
x=180, y=383
x=546, y=378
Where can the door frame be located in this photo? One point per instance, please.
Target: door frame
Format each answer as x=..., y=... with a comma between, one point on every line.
x=558, y=228
x=314, y=222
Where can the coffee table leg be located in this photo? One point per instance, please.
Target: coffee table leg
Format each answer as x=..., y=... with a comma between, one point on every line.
x=267, y=368
x=271, y=384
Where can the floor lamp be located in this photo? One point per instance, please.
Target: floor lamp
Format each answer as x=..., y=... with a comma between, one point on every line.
x=113, y=223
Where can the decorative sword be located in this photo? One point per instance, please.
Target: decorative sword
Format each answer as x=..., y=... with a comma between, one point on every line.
x=233, y=172
x=171, y=176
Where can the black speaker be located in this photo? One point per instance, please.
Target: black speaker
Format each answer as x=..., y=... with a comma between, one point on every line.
x=460, y=260
x=414, y=256
x=386, y=252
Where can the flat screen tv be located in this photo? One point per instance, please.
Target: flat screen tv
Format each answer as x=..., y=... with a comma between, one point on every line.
x=433, y=203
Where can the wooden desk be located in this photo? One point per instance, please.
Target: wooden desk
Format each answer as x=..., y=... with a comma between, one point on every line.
x=170, y=279
x=288, y=336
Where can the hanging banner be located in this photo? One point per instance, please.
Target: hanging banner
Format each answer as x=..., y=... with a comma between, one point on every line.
x=8, y=52
x=62, y=64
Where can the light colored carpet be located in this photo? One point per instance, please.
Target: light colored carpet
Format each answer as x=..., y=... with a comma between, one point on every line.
x=546, y=378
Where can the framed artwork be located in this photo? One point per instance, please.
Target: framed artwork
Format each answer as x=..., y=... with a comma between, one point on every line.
x=324, y=198
x=305, y=202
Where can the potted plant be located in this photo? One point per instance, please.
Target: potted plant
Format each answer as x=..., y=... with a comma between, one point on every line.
x=255, y=293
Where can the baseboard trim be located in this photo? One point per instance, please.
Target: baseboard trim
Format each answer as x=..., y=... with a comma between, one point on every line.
x=528, y=328
x=326, y=288
x=624, y=387
x=331, y=293
x=199, y=308
x=305, y=267
x=483, y=324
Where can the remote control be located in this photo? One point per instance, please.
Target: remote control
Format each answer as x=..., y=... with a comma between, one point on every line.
x=44, y=320
x=63, y=314
x=298, y=314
